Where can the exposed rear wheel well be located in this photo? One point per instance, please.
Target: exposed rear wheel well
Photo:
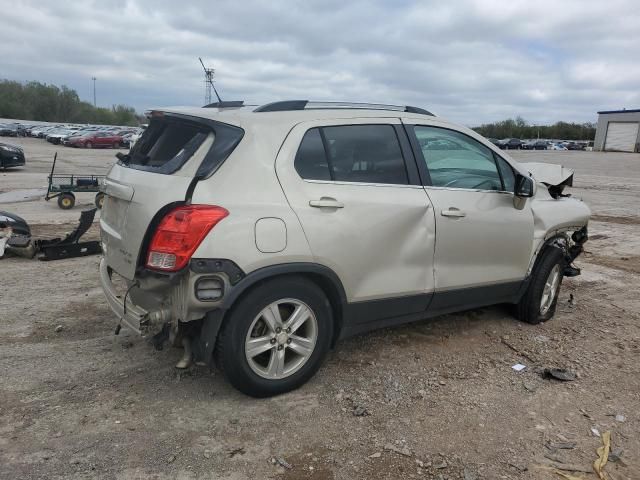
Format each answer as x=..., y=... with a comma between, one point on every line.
x=326, y=285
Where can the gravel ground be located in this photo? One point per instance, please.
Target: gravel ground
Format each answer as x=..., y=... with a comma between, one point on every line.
x=435, y=399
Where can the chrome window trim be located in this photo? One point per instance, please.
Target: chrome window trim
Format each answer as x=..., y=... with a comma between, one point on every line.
x=363, y=184
x=469, y=190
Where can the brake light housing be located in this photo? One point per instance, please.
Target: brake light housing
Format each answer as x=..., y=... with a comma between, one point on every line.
x=179, y=234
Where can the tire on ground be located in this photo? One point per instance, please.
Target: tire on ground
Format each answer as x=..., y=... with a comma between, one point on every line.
x=99, y=200
x=66, y=201
x=230, y=346
x=529, y=308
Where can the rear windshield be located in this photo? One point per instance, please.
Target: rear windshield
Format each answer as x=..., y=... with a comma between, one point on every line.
x=167, y=144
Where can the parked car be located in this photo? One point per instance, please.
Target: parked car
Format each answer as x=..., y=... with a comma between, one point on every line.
x=59, y=135
x=96, y=140
x=11, y=156
x=557, y=146
x=8, y=131
x=336, y=237
x=575, y=146
x=534, y=145
x=128, y=139
x=510, y=143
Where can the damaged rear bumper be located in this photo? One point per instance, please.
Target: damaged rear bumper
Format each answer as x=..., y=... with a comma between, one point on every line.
x=133, y=316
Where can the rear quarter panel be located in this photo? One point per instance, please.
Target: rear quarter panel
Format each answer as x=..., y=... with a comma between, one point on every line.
x=247, y=186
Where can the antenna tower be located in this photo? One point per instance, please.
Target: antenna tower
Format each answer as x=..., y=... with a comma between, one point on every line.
x=208, y=83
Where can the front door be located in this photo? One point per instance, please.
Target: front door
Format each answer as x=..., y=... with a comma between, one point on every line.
x=354, y=186
x=483, y=242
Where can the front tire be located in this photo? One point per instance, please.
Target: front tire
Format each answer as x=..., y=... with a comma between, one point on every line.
x=538, y=304
x=276, y=337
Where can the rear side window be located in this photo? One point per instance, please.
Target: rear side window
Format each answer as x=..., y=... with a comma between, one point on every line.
x=352, y=153
x=311, y=161
x=167, y=144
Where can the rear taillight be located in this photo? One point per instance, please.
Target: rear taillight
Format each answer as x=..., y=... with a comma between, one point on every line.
x=179, y=234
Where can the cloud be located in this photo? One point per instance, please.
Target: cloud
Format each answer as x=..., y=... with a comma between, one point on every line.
x=471, y=61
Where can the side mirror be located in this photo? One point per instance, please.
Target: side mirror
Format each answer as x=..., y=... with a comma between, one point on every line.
x=524, y=186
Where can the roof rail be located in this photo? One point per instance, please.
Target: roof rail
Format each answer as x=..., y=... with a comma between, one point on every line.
x=289, y=105
x=227, y=104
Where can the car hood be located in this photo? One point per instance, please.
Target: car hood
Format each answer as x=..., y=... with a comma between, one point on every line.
x=10, y=146
x=550, y=174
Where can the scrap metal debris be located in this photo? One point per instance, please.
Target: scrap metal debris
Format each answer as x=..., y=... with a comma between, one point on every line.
x=560, y=445
x=282, y=462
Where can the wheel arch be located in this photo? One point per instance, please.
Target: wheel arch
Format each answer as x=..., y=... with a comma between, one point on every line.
x=559, y=239
x=325, y=278
x=321, y=275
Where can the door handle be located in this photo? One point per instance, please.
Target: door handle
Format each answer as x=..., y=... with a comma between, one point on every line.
x=325, y=202
x=453, y=212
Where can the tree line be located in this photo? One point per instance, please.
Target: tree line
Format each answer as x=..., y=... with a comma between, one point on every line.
x=49, y=103
x=519, y=128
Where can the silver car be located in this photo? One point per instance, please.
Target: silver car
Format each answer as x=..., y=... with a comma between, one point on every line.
x=258, y=237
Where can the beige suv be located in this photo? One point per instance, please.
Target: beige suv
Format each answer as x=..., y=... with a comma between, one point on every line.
x=258, y=237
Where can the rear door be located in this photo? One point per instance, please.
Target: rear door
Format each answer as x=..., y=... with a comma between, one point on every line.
x=155, y=176
x=354, y=186
x=483, y=242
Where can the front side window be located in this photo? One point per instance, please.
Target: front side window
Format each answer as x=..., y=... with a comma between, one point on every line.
x=455, y=160
x=352, y=153
x=508, y=177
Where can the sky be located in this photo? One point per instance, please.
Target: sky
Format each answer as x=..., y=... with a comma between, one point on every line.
x=471, y=61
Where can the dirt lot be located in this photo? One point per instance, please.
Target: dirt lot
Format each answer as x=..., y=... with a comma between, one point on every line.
x=435, y=399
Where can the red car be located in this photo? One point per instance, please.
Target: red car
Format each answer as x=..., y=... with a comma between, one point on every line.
x=97, y=140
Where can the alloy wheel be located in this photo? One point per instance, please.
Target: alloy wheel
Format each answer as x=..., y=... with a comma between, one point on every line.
x=550, y=290
x=281, y=339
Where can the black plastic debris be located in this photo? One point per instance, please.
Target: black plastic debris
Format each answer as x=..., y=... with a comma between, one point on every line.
x=15, y=238
x=71, y=246
x=559, y=374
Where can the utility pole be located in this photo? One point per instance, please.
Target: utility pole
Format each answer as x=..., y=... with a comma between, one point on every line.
x=94, y=90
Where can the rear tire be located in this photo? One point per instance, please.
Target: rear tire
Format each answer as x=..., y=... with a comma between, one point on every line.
x=66, y=201
x=88, y=145
x=538, y=304
x=116, y=145
x=287, y=359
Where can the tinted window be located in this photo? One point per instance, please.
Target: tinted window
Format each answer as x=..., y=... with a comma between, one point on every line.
x=354, y=153
x=311, y=161
x=457, y=161
x=508, y=177
x=365, y=153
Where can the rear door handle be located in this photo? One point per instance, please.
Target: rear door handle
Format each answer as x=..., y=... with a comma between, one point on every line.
x=325, y=202
x=453, y=212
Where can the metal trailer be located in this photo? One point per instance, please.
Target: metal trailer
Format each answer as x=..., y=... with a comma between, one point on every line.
x=63, y=186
